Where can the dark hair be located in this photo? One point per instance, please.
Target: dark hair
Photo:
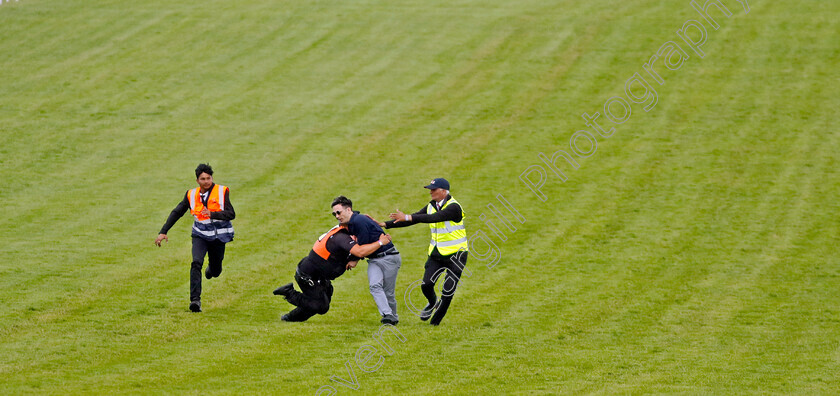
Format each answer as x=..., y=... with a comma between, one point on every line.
x=203, y=168
x=343, y=201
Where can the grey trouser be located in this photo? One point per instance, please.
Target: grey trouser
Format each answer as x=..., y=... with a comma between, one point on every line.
x=382, y=278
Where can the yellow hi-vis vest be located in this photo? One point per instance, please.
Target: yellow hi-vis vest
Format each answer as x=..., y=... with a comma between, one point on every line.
x=448, y=236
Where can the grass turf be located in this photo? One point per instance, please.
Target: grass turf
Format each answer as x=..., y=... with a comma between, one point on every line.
x=695, y=251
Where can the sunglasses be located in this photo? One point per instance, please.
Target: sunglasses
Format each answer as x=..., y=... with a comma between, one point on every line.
x=336, y=213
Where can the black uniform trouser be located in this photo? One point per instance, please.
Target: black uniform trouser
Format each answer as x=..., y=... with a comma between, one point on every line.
x=215, y=251
x=314, y=298
x=453, y=264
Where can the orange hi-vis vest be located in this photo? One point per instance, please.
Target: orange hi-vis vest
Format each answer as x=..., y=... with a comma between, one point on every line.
x=215, y=202
x=204, y=227
x=320, y=247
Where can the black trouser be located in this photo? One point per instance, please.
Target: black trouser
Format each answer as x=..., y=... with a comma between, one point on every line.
x=314, y=298
x=215, y=250
x=435, y=265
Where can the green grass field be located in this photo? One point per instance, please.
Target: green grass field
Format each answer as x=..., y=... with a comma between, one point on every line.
x=696, y=251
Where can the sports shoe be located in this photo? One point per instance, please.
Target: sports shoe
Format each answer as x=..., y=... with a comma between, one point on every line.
x=426, y=313
x=195, y=306
x=284, y=290
x=389, y=319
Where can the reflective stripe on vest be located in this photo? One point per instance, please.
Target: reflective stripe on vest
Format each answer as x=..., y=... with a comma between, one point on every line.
x=447, y=228
x=448, y=236
x=320, y=247
x=212, y=231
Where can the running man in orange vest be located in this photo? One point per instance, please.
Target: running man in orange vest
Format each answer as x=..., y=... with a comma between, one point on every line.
x=335, y=252
x=210, y=206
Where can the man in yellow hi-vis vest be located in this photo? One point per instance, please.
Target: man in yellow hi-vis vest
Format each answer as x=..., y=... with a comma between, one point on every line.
x=447, y=248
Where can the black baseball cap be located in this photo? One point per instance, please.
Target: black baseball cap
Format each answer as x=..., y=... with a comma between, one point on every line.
x=438, y=183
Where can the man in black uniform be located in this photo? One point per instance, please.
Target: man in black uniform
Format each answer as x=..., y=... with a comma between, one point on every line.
x=212, y=211
x=335, y=252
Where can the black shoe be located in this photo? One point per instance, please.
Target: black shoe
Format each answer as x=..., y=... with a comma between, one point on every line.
x=426, y=313
x=195, y=306
x=284, y=290
x=207, y=273
x=285, y=318
x=389, y=319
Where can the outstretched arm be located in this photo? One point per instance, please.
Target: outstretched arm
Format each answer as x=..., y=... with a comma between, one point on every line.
x=399, y=218
x=450, y=213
